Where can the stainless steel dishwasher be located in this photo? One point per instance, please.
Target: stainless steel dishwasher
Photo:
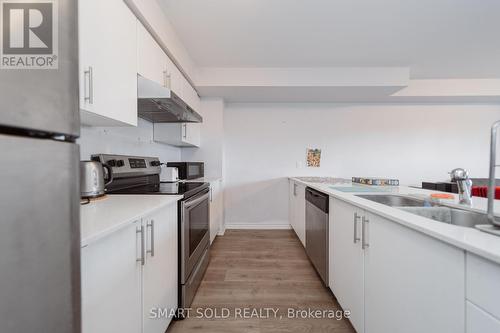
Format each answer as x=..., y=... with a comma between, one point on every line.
x=317, y=231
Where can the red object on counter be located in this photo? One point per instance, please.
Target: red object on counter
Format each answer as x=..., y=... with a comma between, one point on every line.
x=482, y=191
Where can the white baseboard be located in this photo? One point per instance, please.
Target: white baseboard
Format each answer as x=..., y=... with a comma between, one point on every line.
x=257, y=226
x=221, y=231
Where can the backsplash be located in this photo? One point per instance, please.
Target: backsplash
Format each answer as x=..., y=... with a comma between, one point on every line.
x=125, y=141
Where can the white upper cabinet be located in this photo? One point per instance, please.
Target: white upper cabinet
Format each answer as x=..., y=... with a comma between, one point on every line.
x=190, y=96
x=178, y=134
x=108, y=63
x=154, y=64
x=151, y=60
x=175, y=80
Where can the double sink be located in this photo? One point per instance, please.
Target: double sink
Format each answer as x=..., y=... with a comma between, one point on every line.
x=429, y=209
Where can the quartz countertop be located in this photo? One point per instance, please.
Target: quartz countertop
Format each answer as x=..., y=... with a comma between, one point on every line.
x=106, y=215
x=469, y=239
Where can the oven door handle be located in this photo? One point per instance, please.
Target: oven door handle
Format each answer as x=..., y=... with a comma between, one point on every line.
x=192, y=202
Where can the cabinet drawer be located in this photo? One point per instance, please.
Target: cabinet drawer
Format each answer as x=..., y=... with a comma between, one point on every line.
x=483, y=284
x=478, y=321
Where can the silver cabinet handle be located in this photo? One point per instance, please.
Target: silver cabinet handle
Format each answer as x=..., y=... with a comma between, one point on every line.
x=356, y=218
x=89, y=93
x=152, y=249
x=142, y=259
x=184, y=127
x=295, y=189
x=364, y=234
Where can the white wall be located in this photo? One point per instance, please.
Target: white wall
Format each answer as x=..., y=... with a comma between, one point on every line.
x=212, y=138
x=265, y=142
x=125, y=141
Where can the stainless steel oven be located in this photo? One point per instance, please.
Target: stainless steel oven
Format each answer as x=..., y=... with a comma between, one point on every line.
x=141, y=175
x=194, y=244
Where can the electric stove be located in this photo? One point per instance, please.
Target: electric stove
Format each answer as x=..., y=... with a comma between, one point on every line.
x=141, y=175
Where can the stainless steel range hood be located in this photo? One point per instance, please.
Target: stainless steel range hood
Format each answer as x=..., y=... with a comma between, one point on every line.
x=158, y=104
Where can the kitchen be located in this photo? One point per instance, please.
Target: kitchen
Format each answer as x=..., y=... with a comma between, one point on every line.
x=254, y=166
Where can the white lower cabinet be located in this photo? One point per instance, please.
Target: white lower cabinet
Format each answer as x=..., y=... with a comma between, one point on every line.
x=479, y=321
x=413, y=283
x=483, y=284
x=111, y=283
x=346, y=268
x=483, y=295
x=392, y=278
x=178, y=134
x=297, y=209
x=216, y=208
x=160, y=269
x=130, y=274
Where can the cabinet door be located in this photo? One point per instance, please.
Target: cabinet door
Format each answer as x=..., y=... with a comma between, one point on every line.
x=292, y=190
x=160, y=271
x=151, y=60
x=300, y=213
x=413, y=283
x=191, y=135
x=482, y=278
x=346, y=269
x=219, y=202
x=108, y=63
x=215, y=209
x=111, y=283
x=176, y=79
x=178, y=134
x=190, y=96
x=479, y=321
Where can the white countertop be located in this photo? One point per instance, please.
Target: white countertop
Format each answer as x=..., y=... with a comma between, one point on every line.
x=103, y=216
x=469, y=239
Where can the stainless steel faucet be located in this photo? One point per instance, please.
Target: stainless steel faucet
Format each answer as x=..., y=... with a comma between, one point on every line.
x=461, y=176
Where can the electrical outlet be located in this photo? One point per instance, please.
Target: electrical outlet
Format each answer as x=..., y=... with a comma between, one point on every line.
x=299, y=164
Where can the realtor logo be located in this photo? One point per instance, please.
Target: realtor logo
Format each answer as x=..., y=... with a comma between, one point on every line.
x=29, y=34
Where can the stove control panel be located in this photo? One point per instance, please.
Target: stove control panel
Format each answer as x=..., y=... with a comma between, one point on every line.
x=129, y=166
x=137, y=163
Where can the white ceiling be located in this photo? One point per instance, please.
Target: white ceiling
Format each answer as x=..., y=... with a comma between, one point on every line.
x=435, y=38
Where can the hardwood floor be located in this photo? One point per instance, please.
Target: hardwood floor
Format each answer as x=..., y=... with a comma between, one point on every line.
x=259, y=270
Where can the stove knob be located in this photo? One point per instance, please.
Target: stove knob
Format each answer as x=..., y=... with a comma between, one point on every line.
x=111, y=163
x=154, y=163
x=120, y=163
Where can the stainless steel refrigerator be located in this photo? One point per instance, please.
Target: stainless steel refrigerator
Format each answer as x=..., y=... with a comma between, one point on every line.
x=39, y=190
